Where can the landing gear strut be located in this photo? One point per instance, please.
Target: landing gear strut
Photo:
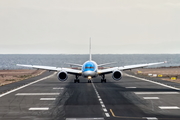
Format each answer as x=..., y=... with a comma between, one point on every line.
x=89, y=81
x=76, y=80
x=103, y=79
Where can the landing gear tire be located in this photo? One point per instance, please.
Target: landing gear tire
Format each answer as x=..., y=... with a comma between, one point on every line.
x=103, y=80
x=89, y=81
x=76, y=81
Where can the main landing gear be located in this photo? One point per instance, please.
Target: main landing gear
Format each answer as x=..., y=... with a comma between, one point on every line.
x=103, y=79
x=76, y=80
x=89, y=81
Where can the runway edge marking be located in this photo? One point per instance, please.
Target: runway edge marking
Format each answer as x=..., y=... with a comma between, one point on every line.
x=6, y=93
x=153, y=82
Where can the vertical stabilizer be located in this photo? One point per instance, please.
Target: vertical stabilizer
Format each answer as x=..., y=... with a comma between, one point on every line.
x=90, y=57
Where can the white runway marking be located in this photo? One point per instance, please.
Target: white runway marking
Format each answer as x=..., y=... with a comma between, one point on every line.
x=169, y=107
x=131, y=87
x=151, y=98
x=100, y=100
x=151, y=118
x=39, y=108
x=107, y=114
x=37, y=94
x=144, y=93
x=103, y=106
x=104, y=109
x=153, y=82
x=57, y=88
x=84, y=118
x=47, y=98
x=25, y=85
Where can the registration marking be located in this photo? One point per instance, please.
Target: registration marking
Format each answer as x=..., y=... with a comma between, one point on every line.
x=169, y=107
x=36, y=94
x=47, y=98
x=142, y=93
x=39, y=108
x=151, y=98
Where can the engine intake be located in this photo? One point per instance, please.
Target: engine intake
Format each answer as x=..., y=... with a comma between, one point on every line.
x=62, y=76
x=117, y=75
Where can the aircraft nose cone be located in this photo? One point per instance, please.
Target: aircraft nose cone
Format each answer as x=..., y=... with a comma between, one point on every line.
x=88, y=73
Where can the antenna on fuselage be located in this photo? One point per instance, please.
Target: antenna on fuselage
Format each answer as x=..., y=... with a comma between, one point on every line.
x=90, y=57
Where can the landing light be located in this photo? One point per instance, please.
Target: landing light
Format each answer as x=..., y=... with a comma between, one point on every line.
x=89, y=77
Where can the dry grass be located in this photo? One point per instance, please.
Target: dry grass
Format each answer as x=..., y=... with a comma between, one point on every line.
x=166, y=73
x=10, y=76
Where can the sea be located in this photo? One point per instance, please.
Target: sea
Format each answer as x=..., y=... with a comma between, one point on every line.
x=9, y=61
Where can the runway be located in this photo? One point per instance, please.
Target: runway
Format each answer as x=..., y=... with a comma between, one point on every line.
x=132, y=98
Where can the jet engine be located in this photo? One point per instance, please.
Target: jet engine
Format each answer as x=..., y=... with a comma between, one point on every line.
x=117, y=75
x=62, y=75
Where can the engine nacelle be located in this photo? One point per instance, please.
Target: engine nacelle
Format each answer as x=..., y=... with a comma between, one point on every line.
x=117, y=75
x=62, y=75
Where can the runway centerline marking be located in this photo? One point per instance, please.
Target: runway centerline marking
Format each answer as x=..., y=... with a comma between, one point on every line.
x=100, y=100
x=153, y=82
x=6, y=93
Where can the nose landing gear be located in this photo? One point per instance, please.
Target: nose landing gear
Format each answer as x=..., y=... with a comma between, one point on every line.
x=89, y=79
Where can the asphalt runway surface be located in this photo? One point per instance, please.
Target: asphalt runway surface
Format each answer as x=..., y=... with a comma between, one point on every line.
x=132, y=98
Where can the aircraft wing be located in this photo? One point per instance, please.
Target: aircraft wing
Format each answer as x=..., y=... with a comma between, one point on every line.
x=128, y=67
x=68, y=70
x=106, y=64
x=72, y=64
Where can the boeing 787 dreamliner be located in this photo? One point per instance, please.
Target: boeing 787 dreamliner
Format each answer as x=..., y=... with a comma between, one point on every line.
x=90, y=70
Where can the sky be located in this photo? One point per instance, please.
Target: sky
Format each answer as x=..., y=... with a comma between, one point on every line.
x=65, y=26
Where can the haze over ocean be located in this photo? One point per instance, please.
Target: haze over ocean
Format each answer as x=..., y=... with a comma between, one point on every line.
x=9, y=61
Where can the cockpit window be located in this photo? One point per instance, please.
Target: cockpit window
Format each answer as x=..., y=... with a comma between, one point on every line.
x=89, y=67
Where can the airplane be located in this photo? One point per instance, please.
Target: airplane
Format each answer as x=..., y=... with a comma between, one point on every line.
x=90, y=70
